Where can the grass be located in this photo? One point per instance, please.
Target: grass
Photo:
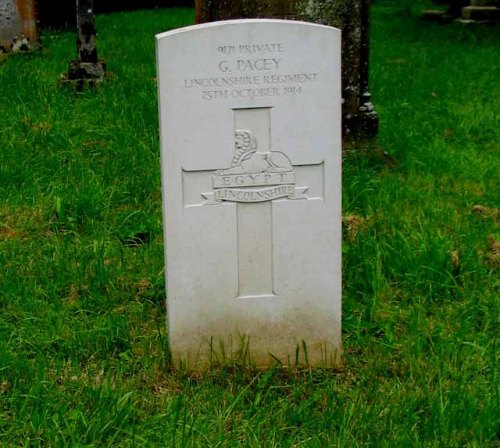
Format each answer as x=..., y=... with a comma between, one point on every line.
x=83, y=348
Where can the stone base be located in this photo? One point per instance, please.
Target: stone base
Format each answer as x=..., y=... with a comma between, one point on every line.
x=433, y=13
x=86, y=70
x=19, y=45
x=437, y=15
x=82, y=75
x=360, y=130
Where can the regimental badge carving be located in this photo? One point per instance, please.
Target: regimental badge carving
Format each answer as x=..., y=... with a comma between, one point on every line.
x=247, y=160
x=254, y=176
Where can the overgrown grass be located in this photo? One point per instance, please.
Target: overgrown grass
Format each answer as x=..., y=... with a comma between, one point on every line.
x=83, y=349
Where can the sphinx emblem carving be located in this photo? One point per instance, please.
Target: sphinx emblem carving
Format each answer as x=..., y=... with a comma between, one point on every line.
x=248, y=160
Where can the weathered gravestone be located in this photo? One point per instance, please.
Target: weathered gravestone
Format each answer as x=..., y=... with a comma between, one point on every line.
x=251, y=154
x=360, y=121
x=18, y=30
x=88, y=69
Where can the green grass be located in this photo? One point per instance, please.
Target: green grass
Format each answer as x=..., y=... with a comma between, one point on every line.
x=83, y=348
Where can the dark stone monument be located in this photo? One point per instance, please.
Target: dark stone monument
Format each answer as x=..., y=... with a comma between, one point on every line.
x=360, y=121
x=88, y=69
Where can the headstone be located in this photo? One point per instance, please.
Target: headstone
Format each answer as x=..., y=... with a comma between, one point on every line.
x=360, y=120
x=251, y=154
x=87, y=69
x=18, y=30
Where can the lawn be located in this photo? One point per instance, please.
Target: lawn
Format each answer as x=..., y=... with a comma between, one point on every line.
x=84, y=355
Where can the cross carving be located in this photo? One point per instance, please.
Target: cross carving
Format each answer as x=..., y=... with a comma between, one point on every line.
x=257, y=177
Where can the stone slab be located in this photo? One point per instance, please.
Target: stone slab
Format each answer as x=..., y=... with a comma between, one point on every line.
x=434, y=14
x=485, y=3
x=481, y=13
x=250, y=124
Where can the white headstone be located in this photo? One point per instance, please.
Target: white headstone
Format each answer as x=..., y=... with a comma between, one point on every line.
x=250, y=114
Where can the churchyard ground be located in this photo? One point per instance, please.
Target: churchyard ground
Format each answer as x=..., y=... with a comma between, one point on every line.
x=84, y=355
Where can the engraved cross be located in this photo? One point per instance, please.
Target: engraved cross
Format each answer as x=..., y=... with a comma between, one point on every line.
x=257, y=176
